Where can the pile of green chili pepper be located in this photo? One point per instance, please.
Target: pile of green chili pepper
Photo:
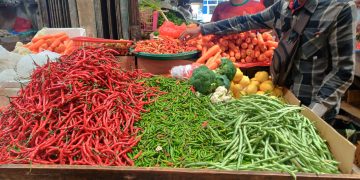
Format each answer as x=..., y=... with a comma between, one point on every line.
x=176, y=128
x=266, y=134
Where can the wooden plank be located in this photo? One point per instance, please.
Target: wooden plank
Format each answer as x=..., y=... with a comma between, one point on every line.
x=51, y=14
x=32, y=172
x=135, y=30
x=44, y=15
x=124, y=5
x=86, y=16
x=98, y=19
x=110, y=24
x=118, y=18
x=65, y=13
x=350, y=109
x=73, y=13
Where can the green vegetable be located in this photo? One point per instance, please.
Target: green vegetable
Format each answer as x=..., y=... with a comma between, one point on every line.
x=222, y=80
x=267, y=134
x=176, y=130
x=156, y=33
x=227, y=68
x=172, y=16
x=204, y=80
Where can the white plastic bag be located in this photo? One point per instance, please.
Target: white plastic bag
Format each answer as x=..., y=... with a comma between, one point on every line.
x=8, y=60
x=184, y=71
x=26, y=65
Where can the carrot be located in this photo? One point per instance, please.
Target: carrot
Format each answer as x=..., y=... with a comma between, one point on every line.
x=260, y=39
x=237, y=56
x=60, y=49
x=269, y=53
x=254, y=41
x=232, y=53
x=199, y=47
x=204, y=50
x=213, y=65
x=271, y=44
x=211, y=52
x=248, y=59
x=57, y=35
x=233, y=59
x=244, y=45
x=58, y=41
x=248, y=40
x=262, y=57
x=218, y=61
x=35, y=46
x=257, y=54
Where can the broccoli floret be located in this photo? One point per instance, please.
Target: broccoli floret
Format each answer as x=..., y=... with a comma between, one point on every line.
x=227, y=68
x=203, y=80
x=222, y=80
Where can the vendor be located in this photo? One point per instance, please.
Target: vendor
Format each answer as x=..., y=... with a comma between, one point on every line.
x=323, y=66
x=234, y=8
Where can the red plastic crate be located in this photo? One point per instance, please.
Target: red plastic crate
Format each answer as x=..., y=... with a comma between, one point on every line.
x=121, y=46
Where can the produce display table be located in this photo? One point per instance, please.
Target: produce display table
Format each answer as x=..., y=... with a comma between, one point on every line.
x=35, y=172
x=342, y=150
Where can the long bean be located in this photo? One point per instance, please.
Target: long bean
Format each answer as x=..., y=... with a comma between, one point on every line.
x=271, y=135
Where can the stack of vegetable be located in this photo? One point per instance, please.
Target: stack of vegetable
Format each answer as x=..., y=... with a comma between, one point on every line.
x=266, y=134
x=163, y=45
x=79, y=111
x=176, y=128
x=260, y=84
x=59, y=43
x=207, y=81
x=241, y=48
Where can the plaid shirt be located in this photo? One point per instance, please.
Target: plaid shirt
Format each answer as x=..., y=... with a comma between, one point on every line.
x=324, y=65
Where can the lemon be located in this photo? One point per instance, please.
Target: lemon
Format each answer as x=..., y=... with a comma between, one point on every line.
x=237, y=88
x=251, y=89
x=245, y=81
x=266, y=86
x=262, y=76
x=232, y=85
x=260, y=93
x=254, y=82
x=238, y=76
x=277, y=92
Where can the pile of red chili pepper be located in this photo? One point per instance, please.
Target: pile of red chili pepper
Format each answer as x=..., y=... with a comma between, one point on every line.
x=163, y=45
x=79, y=111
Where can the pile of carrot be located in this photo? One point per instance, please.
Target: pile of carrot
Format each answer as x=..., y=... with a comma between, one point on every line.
x=59, y=43
x=79, y=110
x=242, y=48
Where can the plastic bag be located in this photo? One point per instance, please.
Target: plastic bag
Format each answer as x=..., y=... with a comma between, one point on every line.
x=26, y=65
x=8, y=59
x=171, y=30
x=184, y=71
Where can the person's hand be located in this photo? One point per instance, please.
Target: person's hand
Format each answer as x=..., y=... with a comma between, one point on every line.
x=190, y=33
x=357, y=2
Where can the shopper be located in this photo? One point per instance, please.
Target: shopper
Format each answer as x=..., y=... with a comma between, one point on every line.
x=323, y=66
x=234, y=8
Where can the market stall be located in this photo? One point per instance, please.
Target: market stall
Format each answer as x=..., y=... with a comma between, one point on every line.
x=160, y=108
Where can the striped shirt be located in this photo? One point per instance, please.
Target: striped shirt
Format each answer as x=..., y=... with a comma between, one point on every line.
x=324, y=65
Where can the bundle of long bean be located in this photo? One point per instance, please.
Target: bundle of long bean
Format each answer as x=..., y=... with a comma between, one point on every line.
x=176, y=130
x=267, y=134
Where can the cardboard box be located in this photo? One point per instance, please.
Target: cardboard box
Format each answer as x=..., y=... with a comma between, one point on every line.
x=71, y=32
